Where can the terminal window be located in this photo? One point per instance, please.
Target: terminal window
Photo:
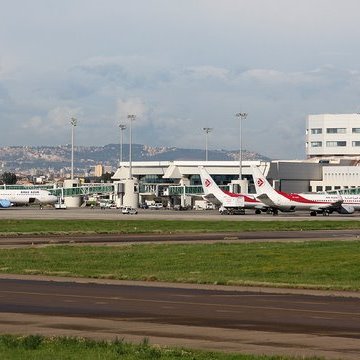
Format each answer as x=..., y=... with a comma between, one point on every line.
x=336, y=130
x=335, y=143
x=356, y=130
x=356, y=143
x=316, y=144
x=316, y=131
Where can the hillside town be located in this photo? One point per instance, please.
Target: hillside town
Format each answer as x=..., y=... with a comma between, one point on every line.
x=41, y=164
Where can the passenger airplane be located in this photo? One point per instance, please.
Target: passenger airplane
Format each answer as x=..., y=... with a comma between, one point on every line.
x=10, y=197
x=230, y=202
x=287, y=202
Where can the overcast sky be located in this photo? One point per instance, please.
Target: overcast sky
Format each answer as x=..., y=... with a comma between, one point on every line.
x=179, y=65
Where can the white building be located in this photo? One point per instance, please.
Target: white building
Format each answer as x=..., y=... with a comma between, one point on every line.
x=333, y=136
x=337, y=178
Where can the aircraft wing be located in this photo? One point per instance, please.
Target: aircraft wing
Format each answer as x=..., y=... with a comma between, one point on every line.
x=332, y=206
x=211, y=198
x=264, y=198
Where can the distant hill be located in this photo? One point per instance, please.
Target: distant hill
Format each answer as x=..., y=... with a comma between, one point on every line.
x=57, y=157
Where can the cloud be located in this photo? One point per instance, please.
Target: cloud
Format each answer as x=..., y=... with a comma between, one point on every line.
x=206, y=71
x=55, y=120
x=132, y=106
x=179, y=66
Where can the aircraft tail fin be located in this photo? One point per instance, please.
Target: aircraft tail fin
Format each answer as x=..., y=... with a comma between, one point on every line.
x=262, y=186
x=228, y=200
x=209, y=185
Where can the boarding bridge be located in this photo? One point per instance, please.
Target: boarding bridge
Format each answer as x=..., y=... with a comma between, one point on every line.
x=351, y=191
x=83, y=190
x=73, y=191
x=191, y=190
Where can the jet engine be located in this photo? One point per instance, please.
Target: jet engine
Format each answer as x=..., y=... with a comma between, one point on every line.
x=346, y=209
x=5, y=203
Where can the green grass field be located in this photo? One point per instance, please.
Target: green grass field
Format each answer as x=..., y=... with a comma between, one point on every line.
x=311, y=264
x=36, y=347
x=163, y=226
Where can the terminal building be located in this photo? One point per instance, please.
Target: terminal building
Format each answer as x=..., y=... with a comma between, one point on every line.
x=332, y=150
x=333, y=136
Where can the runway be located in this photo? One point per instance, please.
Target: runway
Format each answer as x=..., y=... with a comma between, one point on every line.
x=34, y=212
x=125, y=239
x=242, y=321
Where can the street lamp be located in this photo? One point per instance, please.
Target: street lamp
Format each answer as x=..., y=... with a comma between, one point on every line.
x=207, y=130
x=122, y=127
x=131, y=119
x=73, y=123
x=241, y=116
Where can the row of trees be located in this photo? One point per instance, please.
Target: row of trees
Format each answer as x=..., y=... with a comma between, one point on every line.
x=8, y=178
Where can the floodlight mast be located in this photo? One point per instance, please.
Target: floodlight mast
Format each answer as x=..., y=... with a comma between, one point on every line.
x=241, y=117
x=122, y=127
x=207, y=130
x=73, y=123
x=131, y=118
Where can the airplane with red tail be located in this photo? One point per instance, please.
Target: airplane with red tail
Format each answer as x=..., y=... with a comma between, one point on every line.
x=316, y=203
x=231, y=203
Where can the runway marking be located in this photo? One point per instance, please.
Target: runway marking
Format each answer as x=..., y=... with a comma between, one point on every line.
x=321, y=317
x=183, y=303
x=305, y=302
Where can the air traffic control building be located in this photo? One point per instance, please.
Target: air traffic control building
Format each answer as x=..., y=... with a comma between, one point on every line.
x=333, y=157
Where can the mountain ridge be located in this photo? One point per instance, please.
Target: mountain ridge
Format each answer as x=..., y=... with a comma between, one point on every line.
x=57, y=157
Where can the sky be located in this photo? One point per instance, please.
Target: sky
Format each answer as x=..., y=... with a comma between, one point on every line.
x=179, y=66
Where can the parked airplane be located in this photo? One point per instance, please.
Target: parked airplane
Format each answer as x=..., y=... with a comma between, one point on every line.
x=230, y=202
x=287, y=202
x=10, y=197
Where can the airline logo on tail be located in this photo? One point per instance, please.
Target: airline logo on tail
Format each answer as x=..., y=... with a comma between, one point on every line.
x=260, y=182
x=207, y=182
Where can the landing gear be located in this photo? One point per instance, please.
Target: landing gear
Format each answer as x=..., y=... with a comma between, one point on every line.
x=326, y=213
x=313, y=213
x=257, y=211
x=232, y=211
x=275, y=212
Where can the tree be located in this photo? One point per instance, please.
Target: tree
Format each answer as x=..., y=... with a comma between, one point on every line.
x=8, y=178
x=107, y=177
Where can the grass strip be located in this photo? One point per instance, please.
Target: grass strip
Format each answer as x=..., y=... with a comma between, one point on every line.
x=36, y=347
x=163, y=226
x=310, y=264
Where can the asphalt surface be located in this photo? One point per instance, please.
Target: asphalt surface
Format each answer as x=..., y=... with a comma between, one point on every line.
x=34, y=212
x=244, y=321
x=118, y=239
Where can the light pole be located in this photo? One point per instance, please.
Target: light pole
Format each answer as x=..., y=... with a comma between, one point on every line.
x=131, y=119
x=122, y=127
x=73, y=123
x=207, y=130
x=241, y=116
